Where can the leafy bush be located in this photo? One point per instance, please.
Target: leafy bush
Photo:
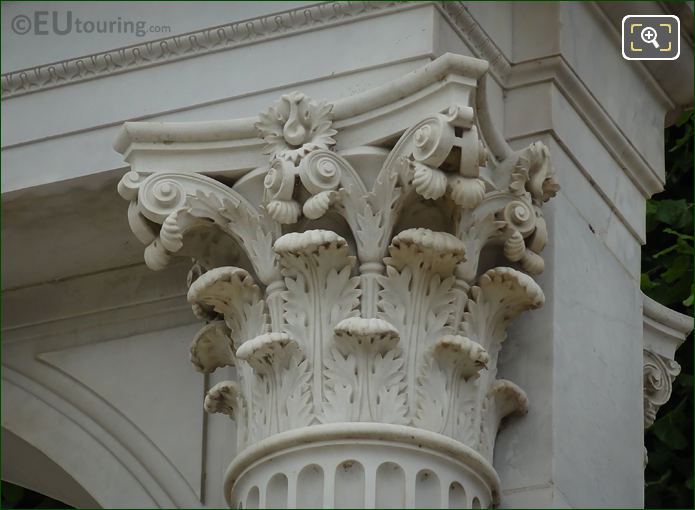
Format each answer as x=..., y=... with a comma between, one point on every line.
x=667, y=277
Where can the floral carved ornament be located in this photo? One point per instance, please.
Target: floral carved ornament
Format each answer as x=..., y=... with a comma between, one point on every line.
x=358, y=298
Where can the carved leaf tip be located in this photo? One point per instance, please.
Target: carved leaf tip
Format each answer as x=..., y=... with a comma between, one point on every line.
x=534, y=173
x=208, y=285
x=266, y=350
x=521, y=288
x=508, y=398
x=212, y=348
x=376, y=332
x=434, y=248
x=468, y=356
x=308, y=242
x=225, y=398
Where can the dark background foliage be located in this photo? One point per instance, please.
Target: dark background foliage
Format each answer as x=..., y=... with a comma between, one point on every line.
x=14, y=496
x=667, y=277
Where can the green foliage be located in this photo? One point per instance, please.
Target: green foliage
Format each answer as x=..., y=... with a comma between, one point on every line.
x=14, y=496
x=667, y=277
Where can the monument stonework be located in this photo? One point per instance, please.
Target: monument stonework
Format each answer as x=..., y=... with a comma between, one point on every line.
x=328, y=269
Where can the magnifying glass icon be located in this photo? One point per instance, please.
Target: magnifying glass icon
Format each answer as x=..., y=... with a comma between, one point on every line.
x=648, y=35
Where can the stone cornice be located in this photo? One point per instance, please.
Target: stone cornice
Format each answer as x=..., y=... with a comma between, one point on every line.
x=388, y=110
x=234, y=35
x=670, y=328
x=663, y=315
x=466, y=26
x=674, y=77
x=242, y=33
x=191, y=44
x=552, y=68
x=343, y=111
x=556, y=69
x=318, y=16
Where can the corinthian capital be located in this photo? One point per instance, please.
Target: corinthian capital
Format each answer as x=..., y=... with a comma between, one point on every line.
x=356, y=294
x=664, y=330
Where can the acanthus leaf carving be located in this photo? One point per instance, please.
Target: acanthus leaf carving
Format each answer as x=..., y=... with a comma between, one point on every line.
x=417, y=295
x=501, y=295
x=405, y=331
x=250, y=227
x=503, y=399
x=370, y=350
x=341, y=387
x=533, y=170
x=320, y=293
x=182, y=202
x=373, y=216
x=212, y=348
x=284, y=375
x=226, y=398
x=453, y=362
x=231, y=292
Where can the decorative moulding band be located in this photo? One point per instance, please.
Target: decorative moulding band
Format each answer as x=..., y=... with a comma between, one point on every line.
x=661, y=314
x=345, y=432
x=315, y=17
x=192, y=44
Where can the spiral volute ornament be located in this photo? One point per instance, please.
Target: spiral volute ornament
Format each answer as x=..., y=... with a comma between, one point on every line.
x=520, y=216
x=279, y=180
x=159, y=196
x=433, y=141
x=320, y=171
x=129, y=185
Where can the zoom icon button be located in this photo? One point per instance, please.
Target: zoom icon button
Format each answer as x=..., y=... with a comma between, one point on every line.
x=651, y=37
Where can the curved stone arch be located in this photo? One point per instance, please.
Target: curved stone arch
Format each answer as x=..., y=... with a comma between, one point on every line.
x=99, y=458
x=107, y=483
x=27, y=466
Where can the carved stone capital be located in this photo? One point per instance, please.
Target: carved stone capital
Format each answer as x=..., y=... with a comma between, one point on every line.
x=664, y=330
x=659, y=374
x=356, y=295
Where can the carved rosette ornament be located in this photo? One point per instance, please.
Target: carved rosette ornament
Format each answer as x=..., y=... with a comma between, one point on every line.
x=364, y=336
